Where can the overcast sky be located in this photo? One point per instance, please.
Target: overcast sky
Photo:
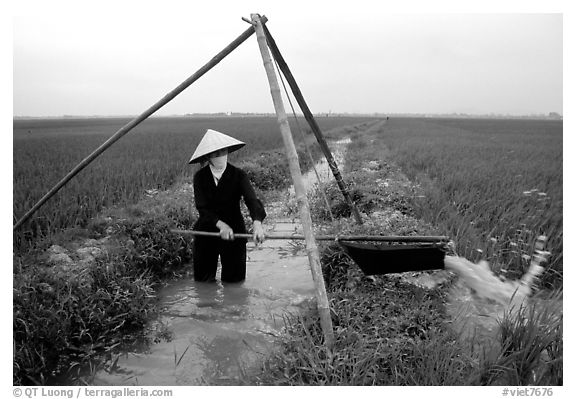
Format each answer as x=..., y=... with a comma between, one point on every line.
x=366, y=58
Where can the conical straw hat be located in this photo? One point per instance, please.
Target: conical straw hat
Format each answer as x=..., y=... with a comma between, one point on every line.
x=214, y=141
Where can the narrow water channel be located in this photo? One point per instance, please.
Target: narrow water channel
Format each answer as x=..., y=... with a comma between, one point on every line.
x=216, y=331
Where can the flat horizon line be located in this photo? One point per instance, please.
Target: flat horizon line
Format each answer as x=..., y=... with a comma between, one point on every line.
x=550, y=115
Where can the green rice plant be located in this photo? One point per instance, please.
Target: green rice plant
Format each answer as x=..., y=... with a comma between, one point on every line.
x=390, y=333
x=438, y=360
x=531, y=346
x=67, y=321
x=487, y=184
x=178, y=359
x=152, y=248
x=63, y=322
x=153, y=156
x=387, y=333
x=269, y=170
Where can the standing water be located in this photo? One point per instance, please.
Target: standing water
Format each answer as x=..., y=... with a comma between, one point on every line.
x=213, y=331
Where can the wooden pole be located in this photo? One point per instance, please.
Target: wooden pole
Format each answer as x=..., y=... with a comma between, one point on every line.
x=133, y=123
x=313, y=124
x=417, y=239
x=299, y=188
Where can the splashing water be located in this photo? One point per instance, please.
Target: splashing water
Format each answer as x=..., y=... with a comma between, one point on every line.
x=480, y=299
x=487, y=285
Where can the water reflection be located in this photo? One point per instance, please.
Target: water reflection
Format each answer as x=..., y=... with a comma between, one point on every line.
x=207, y=300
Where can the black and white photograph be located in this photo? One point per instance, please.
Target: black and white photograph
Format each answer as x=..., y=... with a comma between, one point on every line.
x=274, y=194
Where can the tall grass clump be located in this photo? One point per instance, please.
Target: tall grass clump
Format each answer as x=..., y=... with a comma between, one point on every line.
x=530, y=346
x=386, y=333
x=269, y=170
x=69, y=315
x=62, y=322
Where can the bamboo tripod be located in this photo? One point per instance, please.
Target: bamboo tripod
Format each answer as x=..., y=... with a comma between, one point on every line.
x=299, y=188
x=265, y=41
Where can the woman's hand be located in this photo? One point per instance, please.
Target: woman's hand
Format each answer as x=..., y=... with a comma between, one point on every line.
x=258, y=233
x=226, y=232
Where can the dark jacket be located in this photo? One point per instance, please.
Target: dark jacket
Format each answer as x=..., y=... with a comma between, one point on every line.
x=222, y=202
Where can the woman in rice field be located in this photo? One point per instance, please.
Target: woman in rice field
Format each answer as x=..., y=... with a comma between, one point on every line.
x=218, y=188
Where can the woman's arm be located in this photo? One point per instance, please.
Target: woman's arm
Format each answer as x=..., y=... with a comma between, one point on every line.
x=255, y=206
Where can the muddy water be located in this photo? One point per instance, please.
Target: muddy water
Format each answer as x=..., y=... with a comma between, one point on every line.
x=215, y=331
x=321, y=173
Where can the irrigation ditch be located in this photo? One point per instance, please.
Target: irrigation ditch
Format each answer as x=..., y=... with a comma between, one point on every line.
x=427, y=328
x=119, y=292
x=83, y=294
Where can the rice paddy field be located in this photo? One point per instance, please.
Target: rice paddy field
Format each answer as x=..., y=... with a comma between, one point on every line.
x=152, y=156
x=492, y=186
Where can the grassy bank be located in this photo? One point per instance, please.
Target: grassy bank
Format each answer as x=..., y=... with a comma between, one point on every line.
x=85, y=293
x=82, y=293
x=390, y=332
